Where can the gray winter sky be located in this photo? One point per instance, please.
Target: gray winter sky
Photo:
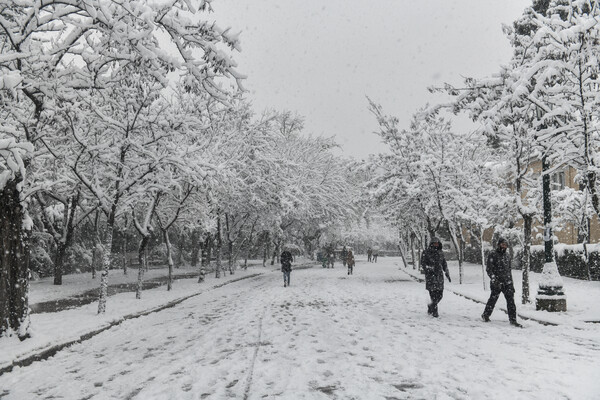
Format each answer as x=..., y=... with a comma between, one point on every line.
x=320, y=58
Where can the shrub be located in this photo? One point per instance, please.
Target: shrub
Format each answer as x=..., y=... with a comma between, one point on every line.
x=569, y=259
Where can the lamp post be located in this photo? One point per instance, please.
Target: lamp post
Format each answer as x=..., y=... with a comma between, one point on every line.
x=550, y=295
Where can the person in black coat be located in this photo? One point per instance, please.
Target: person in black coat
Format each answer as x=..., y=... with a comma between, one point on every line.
x=344, y=255
x=350, y=261
x=286, y=266
x=434, y=264
x=498, y=268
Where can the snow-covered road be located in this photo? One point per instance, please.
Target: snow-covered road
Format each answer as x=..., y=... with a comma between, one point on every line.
x=328, y=336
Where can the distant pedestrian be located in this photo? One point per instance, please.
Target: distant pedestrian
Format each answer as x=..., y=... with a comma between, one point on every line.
x=375, y=254
x=325, y=261
x=331, y=259
x=435, y=266
x=344, y=255
x=369, y=255
x=498, y=267
x=286, y=266
x=350, y=262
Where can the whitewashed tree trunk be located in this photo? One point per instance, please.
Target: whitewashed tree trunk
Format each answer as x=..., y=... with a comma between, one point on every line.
x=142, y=260
x=106, y=254
x=482, y=257
x=526, y=261
x=402, y=250
x=412, y=250
x=218, y=249
x=169, y=258
x=458, y=247
x=125, y=261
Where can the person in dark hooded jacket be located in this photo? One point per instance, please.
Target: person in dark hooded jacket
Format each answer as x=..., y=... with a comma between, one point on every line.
x=286, y=259
x=498, y=268
x=434, y=264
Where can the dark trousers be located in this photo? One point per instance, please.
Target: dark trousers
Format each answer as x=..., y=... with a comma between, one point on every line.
x=350, y=268
x=286, y=278
x=509, y=295
x=436, y=297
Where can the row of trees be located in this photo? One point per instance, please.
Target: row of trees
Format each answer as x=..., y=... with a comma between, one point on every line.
x=542, y=106
x=117, y=117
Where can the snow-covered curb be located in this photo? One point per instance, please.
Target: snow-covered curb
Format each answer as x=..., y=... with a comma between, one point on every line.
x=23, y=354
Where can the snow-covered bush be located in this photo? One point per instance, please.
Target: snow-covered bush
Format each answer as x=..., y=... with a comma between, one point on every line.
x=40, y=262
x=40, y=255
x=570, y=260
x=77, y=258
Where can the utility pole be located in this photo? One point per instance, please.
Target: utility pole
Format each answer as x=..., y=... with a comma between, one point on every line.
x=550, y=295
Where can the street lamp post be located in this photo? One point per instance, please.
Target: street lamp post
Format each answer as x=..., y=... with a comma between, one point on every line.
x=550, y=295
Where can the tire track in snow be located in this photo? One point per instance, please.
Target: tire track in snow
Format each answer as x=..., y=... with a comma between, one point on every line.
x=255, y=356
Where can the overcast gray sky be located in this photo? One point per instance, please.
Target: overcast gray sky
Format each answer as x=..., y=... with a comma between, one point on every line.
x=320, y=58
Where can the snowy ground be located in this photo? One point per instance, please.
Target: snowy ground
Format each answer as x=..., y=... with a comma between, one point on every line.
x=328, y=336
x=44, y=289
x=583, y=297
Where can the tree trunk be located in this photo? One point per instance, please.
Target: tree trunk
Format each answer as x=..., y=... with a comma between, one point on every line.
x=195, y=247
x=124, y=255
x=206, y=255
x=276, y=252
x=14, y=263
x=218, y=249
x=230, y=261
x=412, y=249
x=66, y=238
x=525, y=262
x=106, y=254
x=142, y=261
x=482, y=257
x=169, y=258
x=94, y=261
x=249, y=246
x=201, y=271
x=179, y=262
x=400, y=247
x=457, y=247
x=266, y=248
x=59, y=260
x=420, y=252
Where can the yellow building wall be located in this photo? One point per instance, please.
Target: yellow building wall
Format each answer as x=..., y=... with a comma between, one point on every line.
x=567, y=234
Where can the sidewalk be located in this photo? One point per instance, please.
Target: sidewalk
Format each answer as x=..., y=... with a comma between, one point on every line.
x=82, y=323
x=583, y=297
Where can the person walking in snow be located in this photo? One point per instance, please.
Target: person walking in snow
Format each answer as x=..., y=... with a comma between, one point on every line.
x=498, y=268
x=325, y=261
x=435, y=266
x=375, y=255
x=344, y=255
x=369, y=255
x=331, y=259
x=286, y=266
x=350, y=262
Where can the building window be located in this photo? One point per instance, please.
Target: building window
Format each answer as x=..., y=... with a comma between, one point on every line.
x=558, y=180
